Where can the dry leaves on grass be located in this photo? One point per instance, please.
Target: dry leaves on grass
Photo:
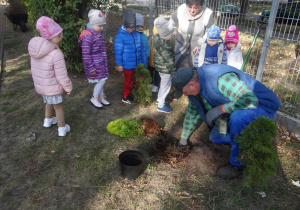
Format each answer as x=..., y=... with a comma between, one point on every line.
x=284, y=138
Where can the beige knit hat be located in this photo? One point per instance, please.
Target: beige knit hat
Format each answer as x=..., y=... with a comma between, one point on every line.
x=164, y=28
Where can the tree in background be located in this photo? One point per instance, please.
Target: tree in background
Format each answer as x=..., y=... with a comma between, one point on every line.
x=72, y=16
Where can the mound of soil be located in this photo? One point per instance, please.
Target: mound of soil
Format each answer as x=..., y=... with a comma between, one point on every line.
x=200, y=158
x=174, y=155
x=150, y=126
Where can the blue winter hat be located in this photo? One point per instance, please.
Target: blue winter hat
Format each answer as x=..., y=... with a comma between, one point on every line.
x=213, y=33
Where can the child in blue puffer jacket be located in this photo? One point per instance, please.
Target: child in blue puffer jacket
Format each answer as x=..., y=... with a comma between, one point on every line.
x=129, y=52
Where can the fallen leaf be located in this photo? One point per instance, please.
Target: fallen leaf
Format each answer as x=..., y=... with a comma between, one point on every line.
x=290, y=155
x=263, y=194
x=52, y=151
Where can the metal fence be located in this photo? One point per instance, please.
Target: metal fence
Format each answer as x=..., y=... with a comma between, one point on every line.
x=274, y=59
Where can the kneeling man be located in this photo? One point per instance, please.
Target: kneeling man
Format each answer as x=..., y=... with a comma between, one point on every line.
x=227, y=100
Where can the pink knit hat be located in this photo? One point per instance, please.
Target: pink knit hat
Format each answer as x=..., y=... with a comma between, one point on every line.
x=48, y=28
x=232, y=35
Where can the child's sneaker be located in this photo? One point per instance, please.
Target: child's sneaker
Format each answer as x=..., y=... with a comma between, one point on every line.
x=164, y=109
x=62, y=131
x=49, y=121
x=127, y=100
x=95, y=102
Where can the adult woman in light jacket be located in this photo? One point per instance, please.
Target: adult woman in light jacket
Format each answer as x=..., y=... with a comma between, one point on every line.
x=193, y=19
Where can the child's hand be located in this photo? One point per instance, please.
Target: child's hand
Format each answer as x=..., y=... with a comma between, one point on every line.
x=93, y=73
x=68, y=93
x=119, y=68
x=195, y=50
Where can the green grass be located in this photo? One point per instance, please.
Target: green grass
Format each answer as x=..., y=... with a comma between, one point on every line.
x=7, y=95
x=11, y=44
x=9, y=108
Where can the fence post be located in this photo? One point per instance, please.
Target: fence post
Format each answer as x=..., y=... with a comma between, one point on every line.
x=150, y=18
x=266, y=43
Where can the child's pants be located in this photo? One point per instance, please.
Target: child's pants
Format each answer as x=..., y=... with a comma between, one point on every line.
x=59, y=111
x=128, y=84
x=155, y=76
x=165, y=87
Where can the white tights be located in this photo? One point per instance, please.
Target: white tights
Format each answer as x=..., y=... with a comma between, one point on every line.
x=98, y=89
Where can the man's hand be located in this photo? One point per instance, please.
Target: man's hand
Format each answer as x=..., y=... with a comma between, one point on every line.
x=213, y=114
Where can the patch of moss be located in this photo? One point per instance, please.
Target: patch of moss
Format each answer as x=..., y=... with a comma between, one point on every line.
x=125, y=128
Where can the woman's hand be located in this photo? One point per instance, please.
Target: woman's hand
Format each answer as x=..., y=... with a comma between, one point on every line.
x=195, y=51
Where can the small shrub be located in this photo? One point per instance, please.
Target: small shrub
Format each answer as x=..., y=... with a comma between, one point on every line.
x=125, y=128
x=258, y=152
x=143, y=93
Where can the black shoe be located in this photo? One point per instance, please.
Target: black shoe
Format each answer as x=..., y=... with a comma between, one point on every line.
x=229, y=171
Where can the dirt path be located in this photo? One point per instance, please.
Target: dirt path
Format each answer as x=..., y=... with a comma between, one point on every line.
x=2, y=26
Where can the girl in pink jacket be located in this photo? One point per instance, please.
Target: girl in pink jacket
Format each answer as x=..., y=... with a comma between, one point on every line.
x=49, y=72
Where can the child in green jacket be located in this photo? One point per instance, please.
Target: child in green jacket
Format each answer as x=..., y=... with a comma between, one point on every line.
x=164, y=60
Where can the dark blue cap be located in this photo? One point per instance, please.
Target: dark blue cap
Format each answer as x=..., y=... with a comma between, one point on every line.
x=181, y=78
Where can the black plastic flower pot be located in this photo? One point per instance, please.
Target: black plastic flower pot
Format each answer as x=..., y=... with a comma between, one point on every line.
x=131, y=164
